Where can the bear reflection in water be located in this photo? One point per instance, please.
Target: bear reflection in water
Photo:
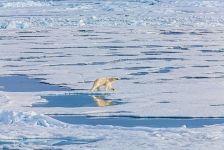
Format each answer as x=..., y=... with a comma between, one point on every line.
x=101, y=102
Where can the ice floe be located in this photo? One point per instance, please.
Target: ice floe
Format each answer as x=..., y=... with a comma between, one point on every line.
x=24, y=4
x=30, y=130
x=167, y=53
x=110, y=13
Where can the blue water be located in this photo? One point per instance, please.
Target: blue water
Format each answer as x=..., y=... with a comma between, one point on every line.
x=22, y=83
x=140, y=122
x=48, y=141
x=75, y=100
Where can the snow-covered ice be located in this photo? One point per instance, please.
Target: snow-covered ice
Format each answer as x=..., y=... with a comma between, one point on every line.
x=30, y=130
x=168, y=54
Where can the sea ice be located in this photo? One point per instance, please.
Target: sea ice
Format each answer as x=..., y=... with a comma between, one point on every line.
x=168, y=54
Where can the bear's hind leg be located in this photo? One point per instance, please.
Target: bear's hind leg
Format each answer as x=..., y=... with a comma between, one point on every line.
x=98, y=88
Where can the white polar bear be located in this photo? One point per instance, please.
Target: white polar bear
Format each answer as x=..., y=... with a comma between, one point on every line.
x=104, y=82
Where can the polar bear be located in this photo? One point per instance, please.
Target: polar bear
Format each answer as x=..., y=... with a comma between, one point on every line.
x=104, y=82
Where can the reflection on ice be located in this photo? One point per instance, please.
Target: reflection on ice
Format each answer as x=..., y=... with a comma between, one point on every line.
x=77, y=100
x=101, y=102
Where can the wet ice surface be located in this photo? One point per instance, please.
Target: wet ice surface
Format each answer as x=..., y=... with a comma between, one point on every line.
x=45, y=141
x=125, y=121
x=22, y=83
x=168, y=54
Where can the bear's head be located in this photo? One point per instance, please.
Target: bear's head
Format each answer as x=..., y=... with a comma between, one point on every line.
x=114, y=78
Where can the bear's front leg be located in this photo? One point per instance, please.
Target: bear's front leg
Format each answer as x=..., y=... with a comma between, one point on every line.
x=109, y=87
